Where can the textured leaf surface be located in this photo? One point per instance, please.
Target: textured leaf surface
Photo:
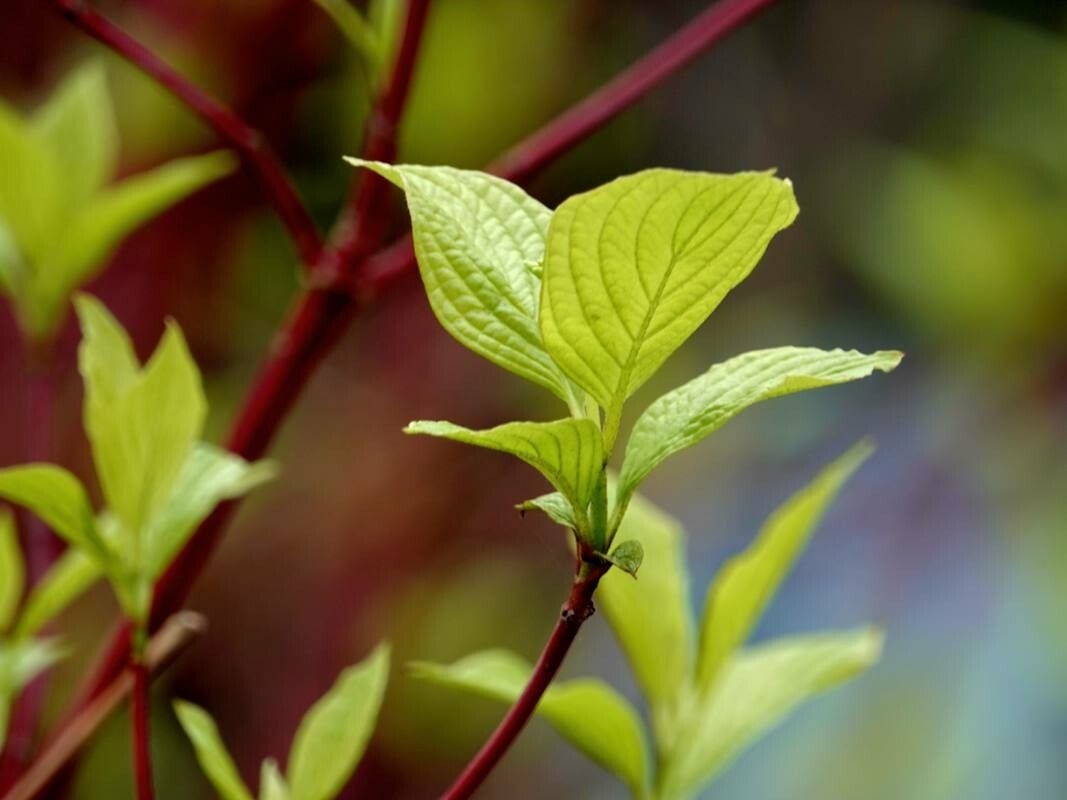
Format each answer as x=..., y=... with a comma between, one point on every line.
x=569, y=452
x=59, y=499
x=73, y=573
x=210, y=751
x=747, y=582
x=475, y=236
x=759, y=688
x=334, y=733
x=684, y=416
x=209, y=476
x=142, y=424
x=12, y=570
x=633, y=267
x=555, y=506
x=651, y=616
x=588, y=713
x=628, y=556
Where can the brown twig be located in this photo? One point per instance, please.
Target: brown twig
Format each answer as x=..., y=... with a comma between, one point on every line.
x=173, y=639
x=578, y=608
x=244, y=139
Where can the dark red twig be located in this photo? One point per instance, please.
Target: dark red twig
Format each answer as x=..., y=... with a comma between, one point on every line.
x=140, y=719
x=577, y=609
x=247, y=141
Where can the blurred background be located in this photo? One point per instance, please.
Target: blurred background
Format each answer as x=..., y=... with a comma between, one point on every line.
x=928, y=145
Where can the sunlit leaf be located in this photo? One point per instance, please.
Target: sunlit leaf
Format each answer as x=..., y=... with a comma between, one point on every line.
x=760, y=686
x=684, y=416
x=588, y=713
x=211, y=752
x=633, y=267
x=568, y=451
x=474, y=236
x=12, y=570
x=747, y=582
x=334, y=733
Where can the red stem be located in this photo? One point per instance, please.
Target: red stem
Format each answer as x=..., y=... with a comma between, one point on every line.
x=247, y=141
x=578, y=608
x=142, y=744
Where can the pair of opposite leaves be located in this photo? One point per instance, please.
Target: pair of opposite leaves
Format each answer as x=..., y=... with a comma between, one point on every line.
x=590, y=300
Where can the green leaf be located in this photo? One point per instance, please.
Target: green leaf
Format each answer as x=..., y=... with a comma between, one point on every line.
x=628, y=556
x=356, y=30
x=588, y=713
x=77, y=124
x=334, y=733
x=20, y=663
x=759, y=688
x=684, y=416
x=31, y=190
x=142, y=424
x=73, y=573
x=651, y=616
x=103, y=221
x=474, y=236
x=568, y=452
x=12, y=570
x=209, y=476
x=211, y=752
x=746, y=584
x=635, y=266
x=60, y=500
x=557, y=507
x=272, y=785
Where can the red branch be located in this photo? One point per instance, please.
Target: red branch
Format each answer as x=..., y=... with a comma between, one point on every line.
x=577, y=609
x=140, y=714
x=348, y=274
x=247, y=141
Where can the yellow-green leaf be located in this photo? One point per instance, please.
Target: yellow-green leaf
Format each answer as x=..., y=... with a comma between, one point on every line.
x=12, y=570
x=211, y=752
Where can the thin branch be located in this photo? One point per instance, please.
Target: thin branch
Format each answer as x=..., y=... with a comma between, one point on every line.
x=173, y=639
x=347, y=280
x=578, y=608
x=140, y=722
x=244, y=139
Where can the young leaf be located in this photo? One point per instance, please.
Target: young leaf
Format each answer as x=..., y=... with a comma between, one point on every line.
x=12, y=570
x=628, y=556
x=760, y=686
x=77, y=124
x=142, y=424
x=334, y=733
x=101, y=222
x=568, y=452
x=684, y=416
x=211, y=752
x=555, y=506
x=747, y=582
x=272, y=785
x=209, y=476
x=474, y=236
x=72, y=574
x=651, y=616
x=59, y=499
x=588, y=713
x=633, y=267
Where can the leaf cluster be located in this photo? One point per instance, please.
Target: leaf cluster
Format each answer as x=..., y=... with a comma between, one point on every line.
x=708, y=695
x=60, y=218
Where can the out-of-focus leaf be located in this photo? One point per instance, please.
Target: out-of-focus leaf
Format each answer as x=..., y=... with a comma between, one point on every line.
x=142, y=424
x=651, y=616
x=356, y=30
x=20, y=663
x=684, y=416
x=59, y=499
x=72, y=574
x=272, y=785
x=211, y=752
x=334, y=733
x=633, y=267
x=588, y=713
x=209, y=476
x=759, y=687
x=568, y=452
x=12, y=570
x=474, y=236
x=747, y=582
x=77, y=124
x=31, y=189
